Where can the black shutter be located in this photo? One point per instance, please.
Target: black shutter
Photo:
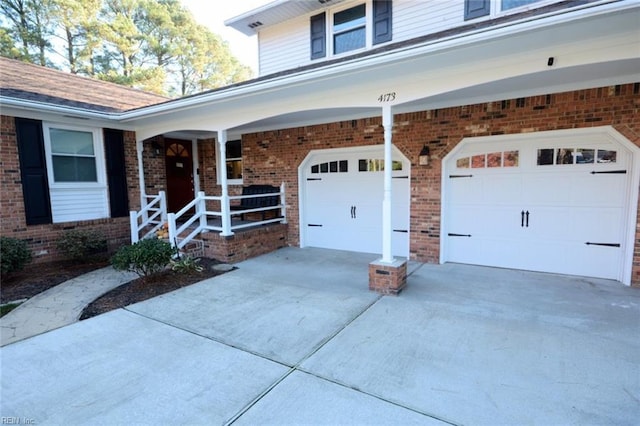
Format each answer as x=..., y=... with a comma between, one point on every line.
x=116, y=172
x=33, y=171
x=318, y=36
x=476, y=8
x=382, y=21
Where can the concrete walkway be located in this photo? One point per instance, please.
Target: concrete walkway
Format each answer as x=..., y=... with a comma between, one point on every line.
x=60, y=305
x=294, y=337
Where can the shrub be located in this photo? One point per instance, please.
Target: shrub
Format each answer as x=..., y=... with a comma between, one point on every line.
x=81, y=245
x=146, y=257
x=186, y=264
x=14, y=254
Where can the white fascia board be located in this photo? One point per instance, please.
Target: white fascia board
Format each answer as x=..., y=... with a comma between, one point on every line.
x=436, y=46
x=60, y=114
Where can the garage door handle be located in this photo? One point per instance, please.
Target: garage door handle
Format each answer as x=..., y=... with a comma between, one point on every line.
x=353, y=212
x=527, y=214
x=522, y=219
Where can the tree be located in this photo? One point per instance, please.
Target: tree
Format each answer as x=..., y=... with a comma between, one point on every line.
x=154, y=45
x=30, y=27
x=78, y=30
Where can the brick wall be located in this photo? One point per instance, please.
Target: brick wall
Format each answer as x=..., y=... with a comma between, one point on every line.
x=42, y=238
x=245, y=244
x=274, y=156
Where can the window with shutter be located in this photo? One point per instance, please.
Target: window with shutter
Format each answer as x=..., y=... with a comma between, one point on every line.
x=343, y=29
x=33, y=171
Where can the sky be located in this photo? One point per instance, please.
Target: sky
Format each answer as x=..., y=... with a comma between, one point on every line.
x=213, y=13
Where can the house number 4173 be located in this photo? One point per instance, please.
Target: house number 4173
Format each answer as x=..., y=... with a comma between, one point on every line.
x=387, y=97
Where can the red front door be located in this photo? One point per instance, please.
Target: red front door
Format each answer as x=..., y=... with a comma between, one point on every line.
x=179, y=164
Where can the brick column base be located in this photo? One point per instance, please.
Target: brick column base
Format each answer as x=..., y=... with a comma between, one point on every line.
x=388, y=278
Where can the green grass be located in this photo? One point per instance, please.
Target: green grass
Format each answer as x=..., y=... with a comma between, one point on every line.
x=5, y=309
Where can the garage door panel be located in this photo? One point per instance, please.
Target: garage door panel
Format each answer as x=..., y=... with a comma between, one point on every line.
x=599, y=225
x=539, y=212
x=466, y=190
x=347, y=202
x=510, y=189
x=607, y=189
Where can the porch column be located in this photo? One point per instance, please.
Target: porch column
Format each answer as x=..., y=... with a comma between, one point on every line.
x=143, y=192
x=387, y=123
x=387, y=275
x=222, y=168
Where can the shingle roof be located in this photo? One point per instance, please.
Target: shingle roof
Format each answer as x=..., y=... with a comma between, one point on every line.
x=39, y=84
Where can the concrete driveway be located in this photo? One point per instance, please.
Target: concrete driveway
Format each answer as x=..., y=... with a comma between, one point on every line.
x=295, y=337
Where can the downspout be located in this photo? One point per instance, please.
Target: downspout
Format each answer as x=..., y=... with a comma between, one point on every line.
x=387, y=123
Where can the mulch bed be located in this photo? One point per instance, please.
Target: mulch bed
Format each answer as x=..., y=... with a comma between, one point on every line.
x=142, y=289
x=36, y=278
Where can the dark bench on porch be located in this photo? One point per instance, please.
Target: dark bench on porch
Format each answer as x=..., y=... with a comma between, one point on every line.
x=258, y=202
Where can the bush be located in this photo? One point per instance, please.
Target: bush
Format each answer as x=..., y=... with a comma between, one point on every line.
x=81, y=245
x=186, y=264
x=146, y=257
x=14, y=254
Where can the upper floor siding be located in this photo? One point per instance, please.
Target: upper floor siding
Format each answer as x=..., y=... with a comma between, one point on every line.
x=288, y=45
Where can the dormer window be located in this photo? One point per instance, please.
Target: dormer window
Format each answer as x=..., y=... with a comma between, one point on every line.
x=346, y=30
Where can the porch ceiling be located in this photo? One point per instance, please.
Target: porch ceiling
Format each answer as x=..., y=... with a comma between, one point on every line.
x=595, y=50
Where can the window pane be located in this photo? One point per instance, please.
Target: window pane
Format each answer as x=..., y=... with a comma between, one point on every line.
x=74, y=169
x=350, y=18
x=511, y=4
x=234, y=149
x=511, y=158
x=585, y=156
x=71, y=142
x=494, y=159
x=350, y=40
x=344, y=166
x=565, y=156
x=545, y=157
x=477, y=161
x=605, y=156
x=234, y=169
x=462, y=163
x=315, y=169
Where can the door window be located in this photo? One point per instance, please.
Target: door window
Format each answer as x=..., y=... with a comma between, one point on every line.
x=564, y=156
x=489, y=160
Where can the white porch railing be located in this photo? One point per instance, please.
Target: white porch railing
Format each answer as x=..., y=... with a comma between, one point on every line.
x=193, y=219
x=151, y=217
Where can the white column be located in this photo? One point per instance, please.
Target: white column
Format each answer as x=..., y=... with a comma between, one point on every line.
x=222, y=168
x=387, y=123
x=143, y=200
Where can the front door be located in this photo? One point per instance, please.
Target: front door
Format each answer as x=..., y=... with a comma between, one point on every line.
x=179, y=165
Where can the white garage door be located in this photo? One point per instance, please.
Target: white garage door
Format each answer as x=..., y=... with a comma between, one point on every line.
x=553, y=204
x=342, y=196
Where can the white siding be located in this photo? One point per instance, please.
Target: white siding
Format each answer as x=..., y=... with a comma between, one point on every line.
x=286, y=46
x=68, y=205
x=415, y=18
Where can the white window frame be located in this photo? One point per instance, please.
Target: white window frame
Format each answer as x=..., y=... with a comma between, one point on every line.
x=101, y=173
x=368, y=11
x=241, y=158
x=496, y=9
